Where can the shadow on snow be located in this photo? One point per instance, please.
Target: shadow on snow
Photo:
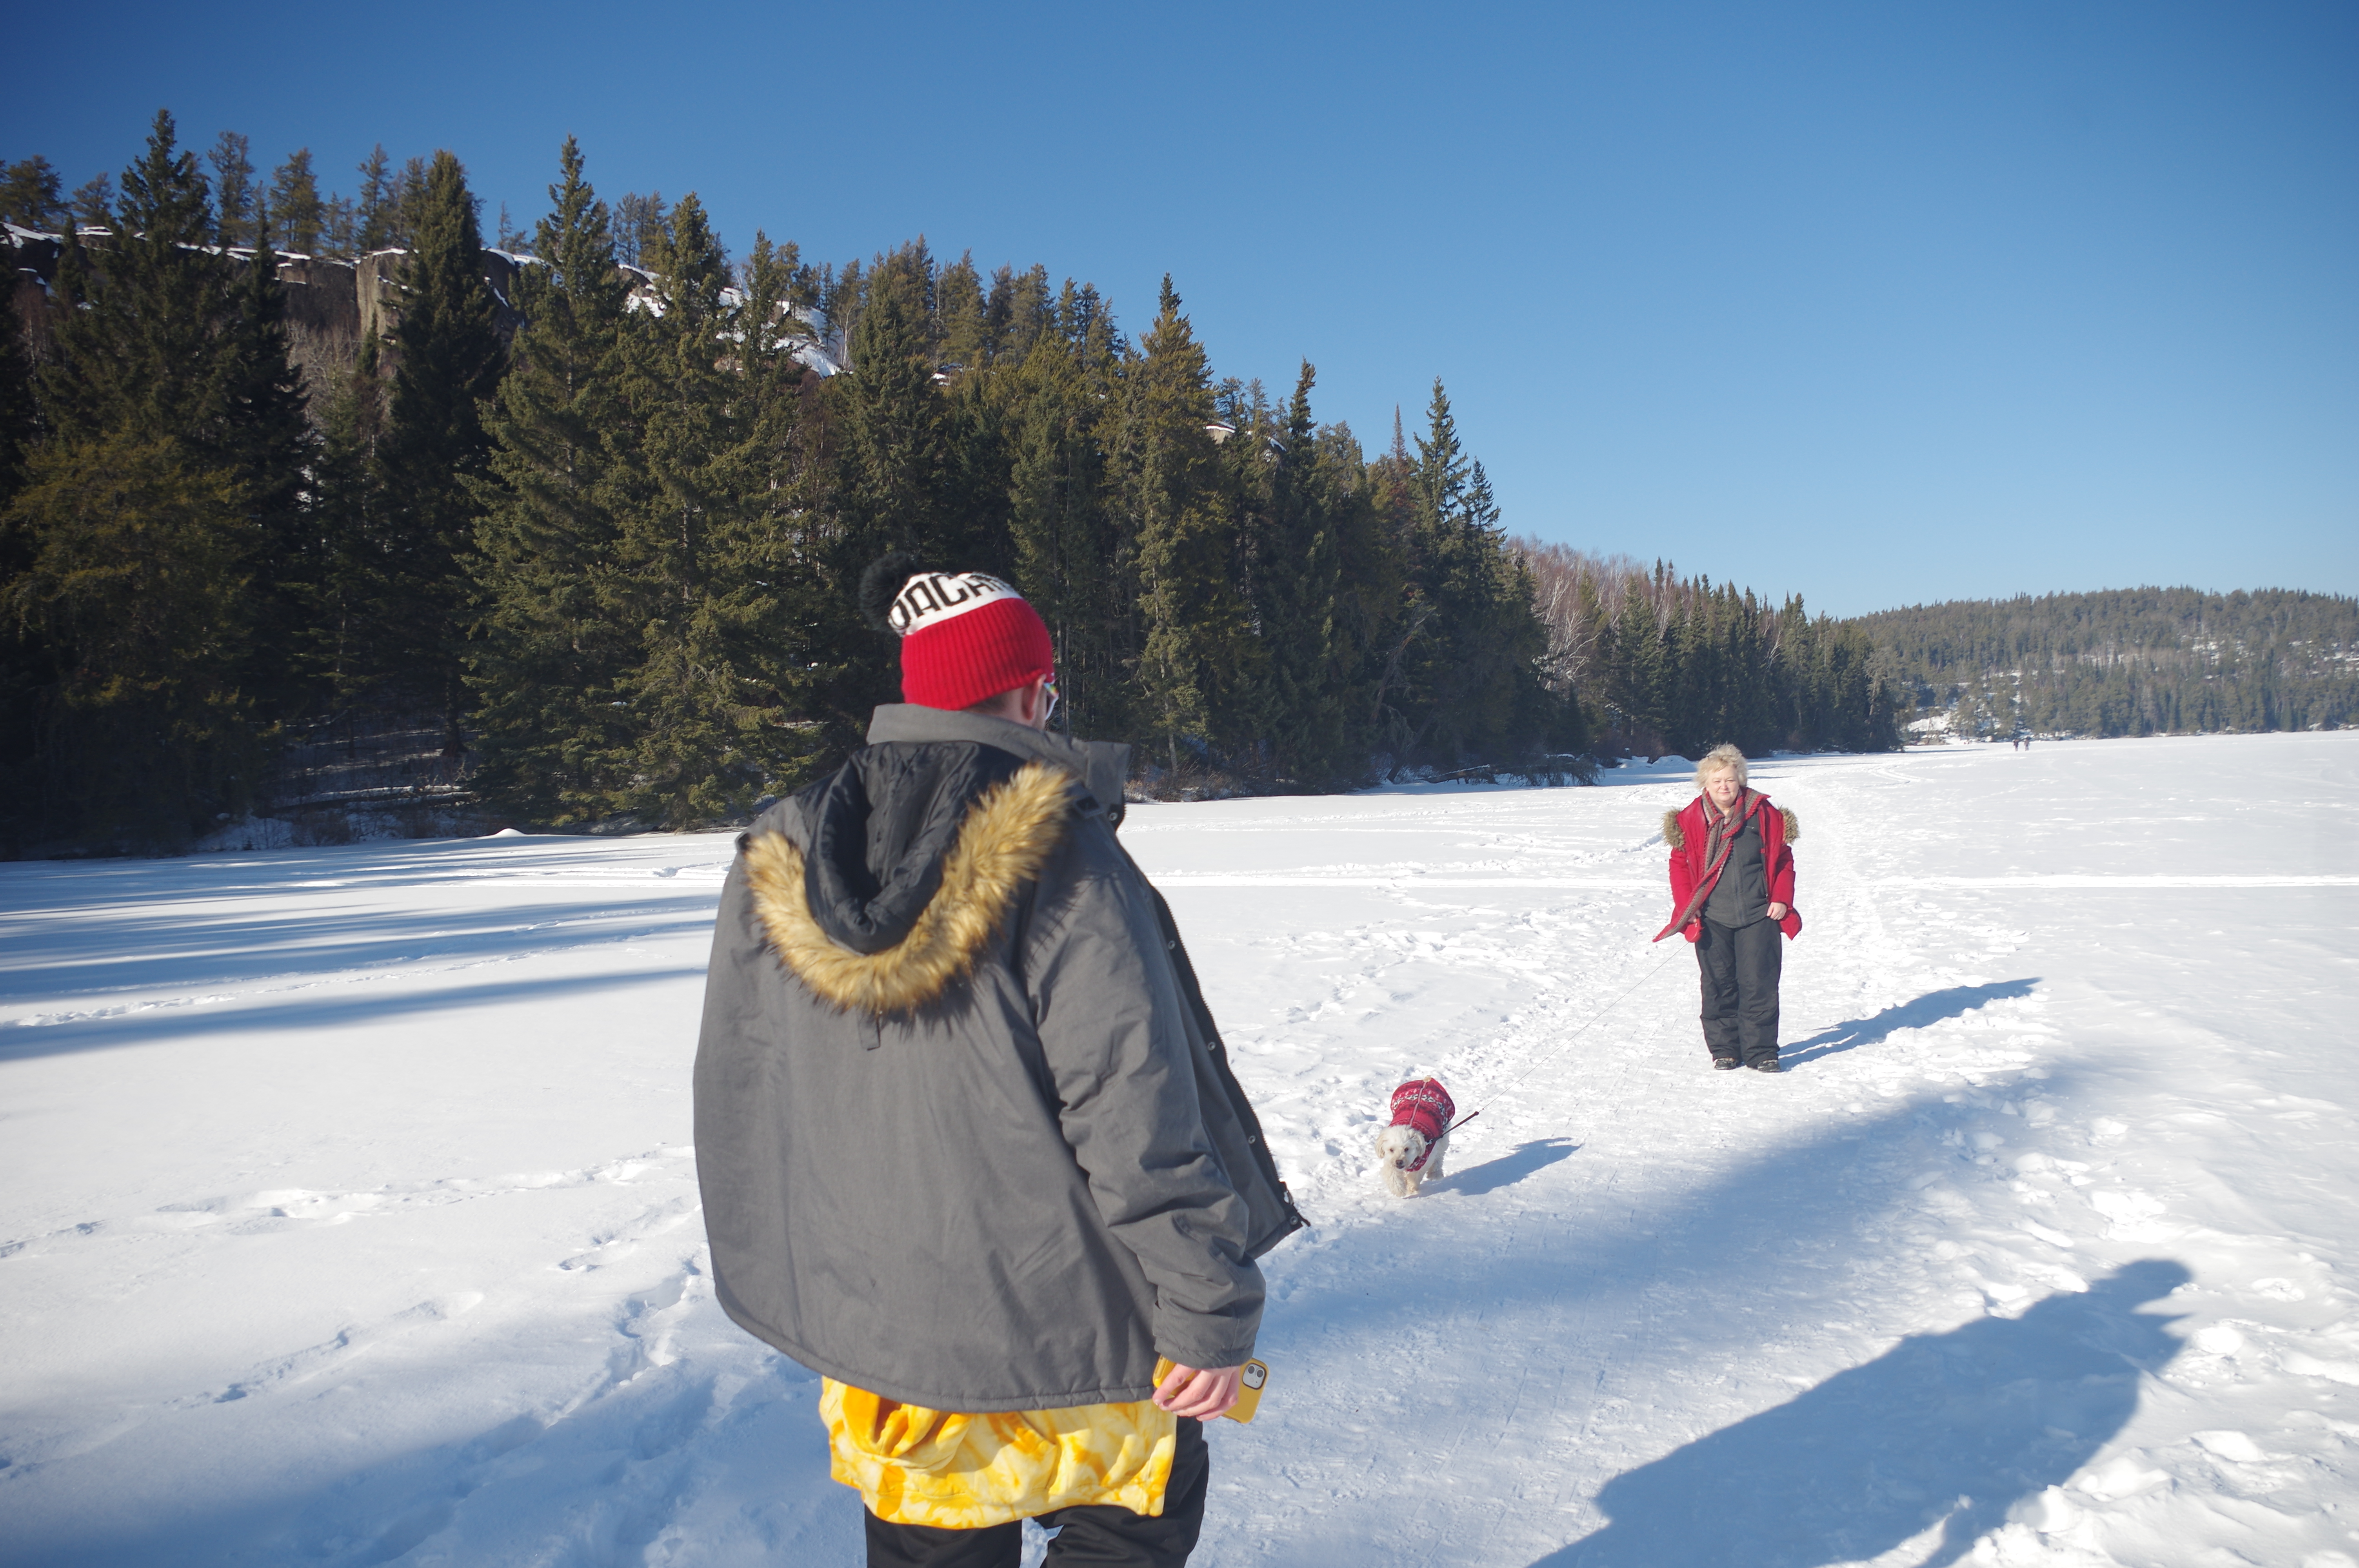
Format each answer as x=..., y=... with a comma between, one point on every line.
x=1524, y=1159
x=372, y=1004
x=1931, y=1008
x=52, y=959
x=1948, y=1430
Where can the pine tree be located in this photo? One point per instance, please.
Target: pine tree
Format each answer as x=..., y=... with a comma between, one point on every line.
x=406, y=216
x=965, y=335
x=1472, y=685
x=1400, y=645
x=348, y=509
x=1371, y=585
x=708, y=549
x=91, y=205
x=839, y=301
x=892, y=420
x=450, y=359
x=1440, y=484
x=171, y=365
x=1310, y=667
x=133, y=341
x=373, y=210
x=171, y=362
x=27, y=671
x=20, y=414
x=552, y=648
x=32, y=196
x=1192, y=649
x=233, y=191
x=998, y=313
x=260, y=434
x=339, y=227
x=1029, y=312
x=1798, y=650
x=639, y=224
x=138, y=562
x=1638, y=682
x=295, y=197
x=1062, y=536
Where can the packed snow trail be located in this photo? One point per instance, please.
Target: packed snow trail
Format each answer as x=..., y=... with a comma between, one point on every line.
x=347, y=1214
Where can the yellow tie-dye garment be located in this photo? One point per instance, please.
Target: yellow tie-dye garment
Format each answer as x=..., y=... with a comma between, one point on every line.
x=913, y=1466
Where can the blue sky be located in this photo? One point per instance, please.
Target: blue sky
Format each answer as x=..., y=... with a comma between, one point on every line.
x=1878, y=303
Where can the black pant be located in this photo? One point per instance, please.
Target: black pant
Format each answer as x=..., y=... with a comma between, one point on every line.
x=1104, y=1534
x=1740, y=967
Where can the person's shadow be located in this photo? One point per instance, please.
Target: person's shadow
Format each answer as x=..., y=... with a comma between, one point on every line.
x=1920, y=1013
x=1944, y=1429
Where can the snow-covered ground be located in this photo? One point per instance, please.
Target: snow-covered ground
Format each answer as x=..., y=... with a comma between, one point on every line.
x=348, y=1215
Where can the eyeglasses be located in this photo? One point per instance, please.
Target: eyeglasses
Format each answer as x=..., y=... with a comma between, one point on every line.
x=1048, y=688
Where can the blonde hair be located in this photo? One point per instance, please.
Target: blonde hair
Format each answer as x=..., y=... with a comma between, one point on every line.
x=1723, y=758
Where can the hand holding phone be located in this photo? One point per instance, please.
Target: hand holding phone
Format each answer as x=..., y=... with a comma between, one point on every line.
x=1232, y=1392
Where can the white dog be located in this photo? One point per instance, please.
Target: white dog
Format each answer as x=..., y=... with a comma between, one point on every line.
x=1412, y=1150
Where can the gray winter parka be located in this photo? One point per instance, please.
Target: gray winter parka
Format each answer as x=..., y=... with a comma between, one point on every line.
x=966, y=1133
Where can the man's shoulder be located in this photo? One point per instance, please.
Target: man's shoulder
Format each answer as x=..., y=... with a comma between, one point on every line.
x=1090, y=853
x=1090, y=886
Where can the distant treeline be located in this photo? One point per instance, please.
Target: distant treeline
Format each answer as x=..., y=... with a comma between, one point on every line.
x=2130, y=661
x=1674, y=663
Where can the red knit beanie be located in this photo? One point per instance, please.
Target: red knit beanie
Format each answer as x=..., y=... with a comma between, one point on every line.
x=966, y=637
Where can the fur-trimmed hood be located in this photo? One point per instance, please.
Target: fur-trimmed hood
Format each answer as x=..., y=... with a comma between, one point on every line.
x=1676, y=837
x=960, y=836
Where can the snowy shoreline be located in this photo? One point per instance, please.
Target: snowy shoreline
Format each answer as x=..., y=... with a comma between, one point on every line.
x=349, y=1214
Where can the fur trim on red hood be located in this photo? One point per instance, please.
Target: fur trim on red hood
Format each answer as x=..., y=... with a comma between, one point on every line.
x=1677, y=839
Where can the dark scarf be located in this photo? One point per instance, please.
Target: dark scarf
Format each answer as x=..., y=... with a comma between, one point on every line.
x=1722, y=826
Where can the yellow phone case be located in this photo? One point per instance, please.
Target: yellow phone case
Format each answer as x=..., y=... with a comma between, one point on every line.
x=1249, y=1389
x=1249, y=1386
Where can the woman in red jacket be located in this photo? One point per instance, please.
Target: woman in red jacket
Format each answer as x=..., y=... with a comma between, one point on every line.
x=1733, y=888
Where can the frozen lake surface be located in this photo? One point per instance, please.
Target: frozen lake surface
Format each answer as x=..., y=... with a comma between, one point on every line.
x=348, y=1213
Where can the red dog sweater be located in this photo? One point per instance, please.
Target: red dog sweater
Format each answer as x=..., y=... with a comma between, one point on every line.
x=1424, y=1104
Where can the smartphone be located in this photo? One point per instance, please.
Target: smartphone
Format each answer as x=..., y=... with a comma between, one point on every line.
x=1249, y=1386
x=1248, y=1392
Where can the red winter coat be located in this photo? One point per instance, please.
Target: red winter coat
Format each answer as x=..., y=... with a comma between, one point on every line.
x=1691, y=880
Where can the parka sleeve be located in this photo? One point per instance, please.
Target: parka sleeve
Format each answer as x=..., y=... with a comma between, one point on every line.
x=1110, y=1021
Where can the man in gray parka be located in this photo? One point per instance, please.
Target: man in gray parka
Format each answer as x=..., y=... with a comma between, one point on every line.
x=969, y=1141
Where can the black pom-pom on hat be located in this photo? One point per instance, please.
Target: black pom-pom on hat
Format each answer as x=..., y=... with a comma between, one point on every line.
x=881, y=584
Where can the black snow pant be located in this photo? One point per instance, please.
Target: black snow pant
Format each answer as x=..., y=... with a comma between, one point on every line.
x=1740, y=966
x=1099, y=1534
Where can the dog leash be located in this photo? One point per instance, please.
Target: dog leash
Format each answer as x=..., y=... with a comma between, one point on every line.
x=1561, y=1046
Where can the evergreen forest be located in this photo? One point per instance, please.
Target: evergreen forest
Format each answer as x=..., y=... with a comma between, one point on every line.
x=591, y=537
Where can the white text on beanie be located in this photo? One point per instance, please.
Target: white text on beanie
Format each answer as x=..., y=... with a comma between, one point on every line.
x=929, y=599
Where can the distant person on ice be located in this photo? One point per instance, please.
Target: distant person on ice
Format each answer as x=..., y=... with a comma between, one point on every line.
x=968, y=1140
x=1732, y=890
